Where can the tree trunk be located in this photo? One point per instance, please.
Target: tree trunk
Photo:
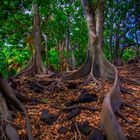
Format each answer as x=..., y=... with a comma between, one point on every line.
x=73, y=57
x=117, y=43
x=96, y=65
x=46, y=48
x=35, y=65
x=68, y=49
x=137, y=45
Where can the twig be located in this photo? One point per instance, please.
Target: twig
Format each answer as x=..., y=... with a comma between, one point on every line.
x=78, y=131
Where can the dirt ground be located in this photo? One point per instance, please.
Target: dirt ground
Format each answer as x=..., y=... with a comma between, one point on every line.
x=39, y=88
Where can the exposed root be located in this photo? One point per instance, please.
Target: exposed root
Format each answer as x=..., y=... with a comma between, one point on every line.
x=125, y=90
x=26, y=98
x=7, y=131
x=90, y=78
x=2, y=133
x=130, y=81
x=77, y=106
x=35, y=66
x=131, y=106
x=123, y=117
x=56, y=85
x=11, y=132
x=28, y=69
x=12, y=100
x=79, y=134
x=96, y=64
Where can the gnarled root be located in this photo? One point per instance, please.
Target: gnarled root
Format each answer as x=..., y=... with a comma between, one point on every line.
x=123, y=117
x=56, y=85
x=34, y=67
x=131, y=106
x=11, y=99
x=111, y=105
x=77, y=106
x=90, y=78
x=7, y=131
x=129, y=81
x=112, y=101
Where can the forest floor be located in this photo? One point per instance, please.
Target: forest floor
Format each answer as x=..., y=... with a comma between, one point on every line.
x=65, y=125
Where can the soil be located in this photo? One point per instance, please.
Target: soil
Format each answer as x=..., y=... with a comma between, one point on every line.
x=39, y=88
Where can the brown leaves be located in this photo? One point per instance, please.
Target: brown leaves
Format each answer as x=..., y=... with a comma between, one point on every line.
x=44, y=132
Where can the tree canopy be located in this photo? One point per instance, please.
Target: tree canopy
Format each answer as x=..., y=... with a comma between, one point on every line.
x=61, y=19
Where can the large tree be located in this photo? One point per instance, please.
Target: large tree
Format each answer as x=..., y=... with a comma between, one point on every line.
x=96, y=65
x=35, y=64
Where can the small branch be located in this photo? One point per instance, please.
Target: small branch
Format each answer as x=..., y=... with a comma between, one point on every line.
x=78, y=131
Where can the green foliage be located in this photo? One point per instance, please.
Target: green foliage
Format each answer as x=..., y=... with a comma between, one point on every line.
x=106, y=52
x=128, y=54
x=12, y=59
x=80, y=55
x=57, y=17
x=54, y=58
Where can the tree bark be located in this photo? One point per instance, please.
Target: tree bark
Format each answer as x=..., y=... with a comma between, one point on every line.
x=96, y=65
x=46, y=48
x=137, y=45
x=68, y=49
x=35, y=65
x=73, y=57
x=8, y=97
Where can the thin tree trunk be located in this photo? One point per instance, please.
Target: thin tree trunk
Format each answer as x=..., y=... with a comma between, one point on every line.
x=73, y=57
x=137, y=45
x=68, y=49
x=117, y=46
x=46, y=48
